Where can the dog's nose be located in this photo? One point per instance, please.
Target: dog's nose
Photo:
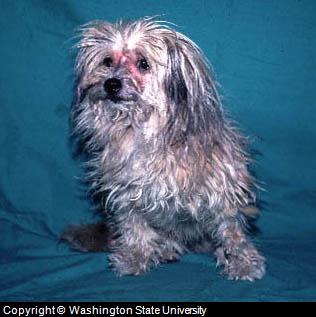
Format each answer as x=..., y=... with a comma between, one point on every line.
x=112, y=86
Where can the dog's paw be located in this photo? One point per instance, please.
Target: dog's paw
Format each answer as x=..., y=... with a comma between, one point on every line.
x=240, y=269
x=169, y=256
x=130, y=263
x=247, y=265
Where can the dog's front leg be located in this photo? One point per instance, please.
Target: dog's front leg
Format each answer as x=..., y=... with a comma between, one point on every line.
x=235, y=252
x=139, y=247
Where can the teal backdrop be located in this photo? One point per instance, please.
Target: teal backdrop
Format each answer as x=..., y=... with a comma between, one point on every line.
x=264, y=57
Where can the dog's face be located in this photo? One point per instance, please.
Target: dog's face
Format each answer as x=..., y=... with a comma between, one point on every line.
x=143, y=66
x=122, y=63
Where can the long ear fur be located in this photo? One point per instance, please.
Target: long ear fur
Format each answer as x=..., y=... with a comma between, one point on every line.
x=193, y=102
x=94, y=38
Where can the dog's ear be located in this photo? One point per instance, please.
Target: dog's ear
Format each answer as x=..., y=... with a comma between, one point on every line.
x=175, y=84
x=93, y=37
x=177, y=95
x=192, y=99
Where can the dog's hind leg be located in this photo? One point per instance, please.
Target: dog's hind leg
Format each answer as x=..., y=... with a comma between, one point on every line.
x=88, y=238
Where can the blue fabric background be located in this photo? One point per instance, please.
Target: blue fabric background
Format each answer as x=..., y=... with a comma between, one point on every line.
x=264, y=55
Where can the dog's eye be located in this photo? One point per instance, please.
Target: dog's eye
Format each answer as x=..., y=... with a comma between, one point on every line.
x=108, y=61
x=142, y=64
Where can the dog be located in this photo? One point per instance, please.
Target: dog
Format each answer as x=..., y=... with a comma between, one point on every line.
x=169, y=169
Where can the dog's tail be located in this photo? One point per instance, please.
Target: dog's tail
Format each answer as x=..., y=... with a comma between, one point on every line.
x=94, y=237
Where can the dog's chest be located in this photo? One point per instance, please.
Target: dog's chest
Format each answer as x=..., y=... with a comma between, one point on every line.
x=150, y=172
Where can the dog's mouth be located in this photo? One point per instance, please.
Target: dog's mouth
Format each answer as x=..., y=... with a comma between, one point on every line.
x=122, y=98
x=96, y=93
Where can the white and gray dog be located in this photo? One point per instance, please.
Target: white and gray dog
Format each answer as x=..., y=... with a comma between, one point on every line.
x=169, y=168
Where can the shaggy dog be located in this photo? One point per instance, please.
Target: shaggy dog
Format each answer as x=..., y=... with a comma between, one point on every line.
x=169, y=169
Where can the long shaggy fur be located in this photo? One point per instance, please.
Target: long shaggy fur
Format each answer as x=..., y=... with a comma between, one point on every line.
x=170, y=168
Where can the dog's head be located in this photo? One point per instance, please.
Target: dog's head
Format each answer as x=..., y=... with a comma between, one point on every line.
x=145, y=66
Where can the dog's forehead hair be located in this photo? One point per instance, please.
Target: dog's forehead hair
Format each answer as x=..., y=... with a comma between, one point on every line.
x=126, y=55
x=127, y=39
x=140, y=40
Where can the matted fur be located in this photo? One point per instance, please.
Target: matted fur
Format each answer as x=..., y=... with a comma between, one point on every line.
x=170, y=168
